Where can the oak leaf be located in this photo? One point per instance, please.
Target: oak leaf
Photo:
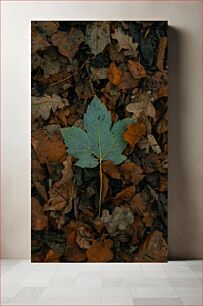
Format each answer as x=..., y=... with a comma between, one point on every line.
x=142, y=105
x=39, y=220
x=114, y=74
x=131, y=172
x=125, y=42
x=97, y=36
x=136, y=69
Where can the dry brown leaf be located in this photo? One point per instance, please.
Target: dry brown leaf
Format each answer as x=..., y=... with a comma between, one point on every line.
x=120, y=219
x=99, y=73
x=148, y=218
x=68, y=43
x=137, y=231
x=39, y=220
x=70, y=231
x=48, y=149
x=136, y=69
x=48, y=27
x=38, y=173
x=39, y=42
x=128, y=82
x=156, y=81
x=125, y=42
x=42, y=190
x=67, y=172
x=161, y=53
x=50, y=66
x=163, y=183
x=131, y=172
x=138, y=204
x=162, y=92
x=153, y=249
x=105, y=186
x=83, y=89
x=134, y=133
x=142, y=105
x=85, y=235
x=124, y=196
x=100, y=251
x=152, y=162
x=112, y=170
x=162, y=126
x=153, y=143
x=97, y=36
x=74, y=254
x=52, y=256
x=42, y=106
x=114, y=74
x=63, y=115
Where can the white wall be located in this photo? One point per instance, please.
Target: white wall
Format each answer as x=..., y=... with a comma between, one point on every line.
x=184, y=112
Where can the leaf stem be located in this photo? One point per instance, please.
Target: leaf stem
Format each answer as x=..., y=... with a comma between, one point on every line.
x=101, y=184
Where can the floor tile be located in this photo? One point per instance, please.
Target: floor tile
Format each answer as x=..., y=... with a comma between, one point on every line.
x=153, y=292
x=29, y=292
x=178, y=274
x=159, y=274
x=61, y=282
x=9, y=292
x=189, y=291
x=146, y=282
x=192, y=301
x=185, y=282
x=158, y=301
x=73, y=292
x=21, y=301
x=118, y=301
x=69, y=301
x=116, y=292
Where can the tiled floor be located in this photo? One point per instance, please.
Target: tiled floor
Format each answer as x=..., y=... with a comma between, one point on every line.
x=174, y=283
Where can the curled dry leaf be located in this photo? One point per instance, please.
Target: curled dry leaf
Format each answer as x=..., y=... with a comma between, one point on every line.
x=114, y=74
x=153, y=249
x=128, y=82
x=39, y=220
x=162, y=126
x=99, y=73
x=74, y=254
x=97, y=36
x=137, y=229
x=50, y=66
x=123, y=196
x=38, y=173
x=57, y=198
x=110, y=169
x=120, y=219
x=67, y=172
x=142, y=105
x=134, y=133
x=153, y=143
x=100, y=251
x=48, y=149
x=136, y=69
x=83, y=89
x=131, y=172
x=68, y=43
x=85, y=235
x=125, y=42
x=162, y=48
x=105, y=186
x=42, y=190
x=42, y=106
x=70, y=230
x=148, y=218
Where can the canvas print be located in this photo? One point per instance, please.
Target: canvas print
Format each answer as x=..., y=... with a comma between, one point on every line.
x=99, y=141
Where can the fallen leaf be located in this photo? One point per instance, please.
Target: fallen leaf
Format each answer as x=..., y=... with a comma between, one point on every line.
x=42, y=190
x=156, y=81
x=162, y=126
x=153, y=143
x=162, y=92
x=138, y=204
x=153, y=249
x=47, y=27
x=37, y=172
x=39, y=220
x=110, y=168
x=52, y=256
x=131, y=172
x=63, y=116
x=128, y=82
x=50, y=66
x=114, y=74
x=98, y=73
x=123, y=196
x=70, y=230
x=120, y=219
x=83, y=89
x=163, y=184
x=136, y=69
x=39, y=42
x=100, y=251
x=68, y=43
x=85, y=235
x=48, y=148
x=67, y=172
x=42, y=106
x=134, y=133
x=97, y=36
x=148, y=218
x=74, y=254
x=163, y=42
x=125, y=42
x=137, y=229
x=142, y=105
x=105, y=186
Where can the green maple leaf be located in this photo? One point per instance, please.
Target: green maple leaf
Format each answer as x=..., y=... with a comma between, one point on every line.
x=99, y=140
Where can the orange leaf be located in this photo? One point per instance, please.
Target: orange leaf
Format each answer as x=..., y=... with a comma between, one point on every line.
x=52, y=256
x=134, y=133
x=162, y=48
x=131, y=172
x=109, y=168
x=124, y=196
x=100, y=251
x=114, y=74
x=136, y=69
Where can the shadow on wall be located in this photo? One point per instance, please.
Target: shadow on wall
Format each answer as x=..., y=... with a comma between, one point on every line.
x=184, y=230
